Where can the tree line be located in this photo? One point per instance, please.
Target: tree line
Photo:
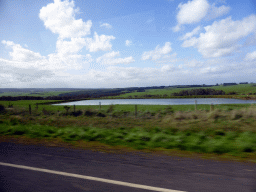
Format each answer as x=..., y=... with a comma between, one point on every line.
x=199, y=92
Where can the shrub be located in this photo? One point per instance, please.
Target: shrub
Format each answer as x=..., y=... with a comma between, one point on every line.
x=169, y=110
x=236, y=114
x=67, y=108
x=131, y=137
x=100, y=114
x=2, y=109
x=89, y=112
x=219, y=146
x=45, y=112
x=216, y=114
x=231, y=135
x=110, y=109
x=15, y=120
x=77, y=113
x=19, y=130
x=220, y=132
x=179, y=116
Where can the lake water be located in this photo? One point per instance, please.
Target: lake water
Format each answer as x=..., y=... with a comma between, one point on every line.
x=189, y=101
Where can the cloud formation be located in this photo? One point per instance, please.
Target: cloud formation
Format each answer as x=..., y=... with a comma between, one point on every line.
x=191, y=34
x=191, y=12
x=222, y=37
x=107, y=25
x=215, y=12
x=157, y=53
x=109, y=59
x=195, y=10
x=21, y=54
x=59, y=17
x=128, y=43
x=99, y=43
x=250, y=56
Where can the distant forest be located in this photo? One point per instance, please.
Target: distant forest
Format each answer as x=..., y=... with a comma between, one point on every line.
x=199, y=92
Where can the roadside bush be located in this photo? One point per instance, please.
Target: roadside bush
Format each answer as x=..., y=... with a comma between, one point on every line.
x=215, y=115
x=89, y=112
x=146, y=114
x=219, y=146
x=246, y=141
x=46, y=112
x=77, y=113
x=100, y=114
x=179, y=116
x=144, y=136
x=231, y=135
x=236, y=114
x=120, y=114
x=220, y=132
x=250, y=113
x=169, y=110
x=16, y=120
x=193, y=143
x=2, y=109
x=232, y=93
x=110, y=109
x=19, y=130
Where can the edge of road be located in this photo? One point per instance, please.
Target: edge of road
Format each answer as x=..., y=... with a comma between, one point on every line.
x=100, y=147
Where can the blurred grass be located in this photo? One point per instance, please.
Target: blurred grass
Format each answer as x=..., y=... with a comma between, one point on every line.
x=229, y=128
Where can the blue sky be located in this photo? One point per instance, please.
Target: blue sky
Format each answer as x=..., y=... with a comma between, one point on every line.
x=110, y=44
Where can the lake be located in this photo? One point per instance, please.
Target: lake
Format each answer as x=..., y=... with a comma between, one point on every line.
x=189, y=101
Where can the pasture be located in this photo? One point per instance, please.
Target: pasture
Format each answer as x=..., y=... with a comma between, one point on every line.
x=224, y=130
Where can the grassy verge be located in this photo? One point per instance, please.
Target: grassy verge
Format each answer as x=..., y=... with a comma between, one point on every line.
x=228, y=130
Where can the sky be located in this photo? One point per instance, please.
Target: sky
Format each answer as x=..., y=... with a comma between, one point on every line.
x=128, y=43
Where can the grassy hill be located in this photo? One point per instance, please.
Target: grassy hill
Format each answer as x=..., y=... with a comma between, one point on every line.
x=241, y=90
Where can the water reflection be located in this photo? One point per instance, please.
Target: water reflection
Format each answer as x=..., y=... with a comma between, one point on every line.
x=160, y=101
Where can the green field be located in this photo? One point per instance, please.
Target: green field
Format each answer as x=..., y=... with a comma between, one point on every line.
x=225, y=130
x=35, y=94
x=242, y=90
x=24, y=104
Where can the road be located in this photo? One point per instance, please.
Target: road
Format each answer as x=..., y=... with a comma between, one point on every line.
x=165, y=172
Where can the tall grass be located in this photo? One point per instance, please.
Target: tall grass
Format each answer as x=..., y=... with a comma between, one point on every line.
x=223, y=130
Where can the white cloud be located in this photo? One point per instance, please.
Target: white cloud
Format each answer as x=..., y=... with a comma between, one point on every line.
x=192, y=42
x=222, y=37
x=17, y=71
x=250, y=56
x=99, y=43
x=26, y=59
x=59, y=17
x=157, y=53
x=215, y=12
x=107, y=25
x=65, y=62
x=168, y=59
x=109, y=59
x=69, y=47
x=128, y=43
x=191, y=34
x=191, y=12
x=195, y=10
x=21, y=54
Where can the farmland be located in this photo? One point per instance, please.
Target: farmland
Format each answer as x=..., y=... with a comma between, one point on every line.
x=226, y=130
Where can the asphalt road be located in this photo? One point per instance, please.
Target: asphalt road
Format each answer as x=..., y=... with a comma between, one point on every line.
x=182, y=174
